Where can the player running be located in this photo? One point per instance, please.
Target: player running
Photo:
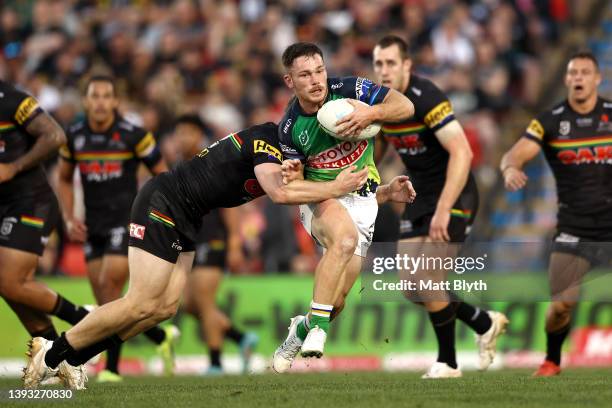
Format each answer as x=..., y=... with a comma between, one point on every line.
x=575, y=138
x=28, y=135
x=166, y=216
x=108, y=151
x=343, y=226
x=217, y=245
x=436, y=153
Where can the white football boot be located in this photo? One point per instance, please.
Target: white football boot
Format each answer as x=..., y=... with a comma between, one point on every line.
x=487, y=342
x=36, y=371
x=286, y=352
x=314, y=343
x=442, y=370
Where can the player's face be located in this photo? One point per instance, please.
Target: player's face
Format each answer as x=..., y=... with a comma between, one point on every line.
x=582, y=79
x=389, y=68
x=188, y=139
x=100, y=101
x=308, y=79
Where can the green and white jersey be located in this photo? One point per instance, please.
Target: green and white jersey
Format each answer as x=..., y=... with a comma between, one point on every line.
x=324, y=156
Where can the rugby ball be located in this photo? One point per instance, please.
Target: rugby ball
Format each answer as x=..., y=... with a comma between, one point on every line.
x=334, y=110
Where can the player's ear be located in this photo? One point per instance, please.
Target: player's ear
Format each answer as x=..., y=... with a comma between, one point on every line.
x=288, y=81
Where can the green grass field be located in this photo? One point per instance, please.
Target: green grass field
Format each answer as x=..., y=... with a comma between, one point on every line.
x=509, y=388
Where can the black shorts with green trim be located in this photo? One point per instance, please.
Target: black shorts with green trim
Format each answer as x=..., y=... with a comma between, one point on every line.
x=26, y=224
x=158, y=225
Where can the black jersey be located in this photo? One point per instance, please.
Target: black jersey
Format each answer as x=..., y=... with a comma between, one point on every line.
x=578, y=149
x=426, y=160
x=223, y=175
x=17, y=109
x=108, y=163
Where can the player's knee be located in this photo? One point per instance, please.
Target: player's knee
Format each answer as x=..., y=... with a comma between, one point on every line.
x=562, y=309
x=166, y=312
x=345, y=244
x=145, y=309
x=10, y=289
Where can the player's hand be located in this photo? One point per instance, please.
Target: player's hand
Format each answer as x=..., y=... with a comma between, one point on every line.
x=7, y=171
x=350, y=180
x=514, y=179
x=438, y=228
x=77, y=230
x=292, y=170
x=353, y=123
x=401, y=190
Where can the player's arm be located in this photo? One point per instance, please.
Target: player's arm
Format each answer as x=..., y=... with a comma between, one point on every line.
x=511, y=166
x=394, y=108
x=453, y=140
x=49, y=137
x=77, y=231
x=231, y=220
x=304, y=191
x=148, y=152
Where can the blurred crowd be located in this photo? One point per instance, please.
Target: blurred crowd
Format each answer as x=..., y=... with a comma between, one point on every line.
x=221, y=59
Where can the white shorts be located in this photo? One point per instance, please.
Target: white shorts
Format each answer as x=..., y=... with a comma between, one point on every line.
x=363, y=211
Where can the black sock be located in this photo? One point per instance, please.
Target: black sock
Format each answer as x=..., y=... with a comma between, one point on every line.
x=215, y=357
x=443, y=322
x=49, y=333
x=234, y=334
x=554, y=341
x=474, y=317
x=112, y=355
x=68, y=311
x=60, y=351
x=156, y=334
x=84, y=355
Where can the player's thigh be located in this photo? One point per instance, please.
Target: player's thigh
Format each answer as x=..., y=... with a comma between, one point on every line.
x=16, y=267
x=115, y=270
x=178, y=278
x=150, y=276
x=565, y=273
x=332, y=223
x=204, y=281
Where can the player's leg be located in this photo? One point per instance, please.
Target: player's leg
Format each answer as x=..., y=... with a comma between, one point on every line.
x=35, y=322
x=565, y=272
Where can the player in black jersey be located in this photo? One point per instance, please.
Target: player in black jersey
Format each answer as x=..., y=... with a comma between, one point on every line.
x=437, y=156
x=218, y=246
x=108, y=151
x=576, y=138
x=165, y=218
x=28, y=135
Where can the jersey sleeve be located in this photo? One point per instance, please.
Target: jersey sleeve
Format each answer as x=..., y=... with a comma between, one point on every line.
x=19, y=107
x=146, y=148
x=289, y=148
x=264, y=144
x=359, y=88
x=536, y=130
x=433, y=108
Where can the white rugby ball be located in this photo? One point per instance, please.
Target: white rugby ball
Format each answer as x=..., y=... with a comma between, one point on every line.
x=332, y=111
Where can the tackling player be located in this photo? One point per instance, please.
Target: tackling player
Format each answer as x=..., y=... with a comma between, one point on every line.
x=436, y=154
x=343, y=226
x=165, y=218
x=575, y=138
x=218, y=244
x=28, y=135
x=108, y=151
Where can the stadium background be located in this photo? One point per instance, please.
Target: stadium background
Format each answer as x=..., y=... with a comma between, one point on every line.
x=499, y=62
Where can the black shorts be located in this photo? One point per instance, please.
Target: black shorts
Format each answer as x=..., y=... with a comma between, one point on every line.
x=157, y=224
x=595, y=247
x=415, y=222
x=27, y=224
x=112, y=242
x=211, y=253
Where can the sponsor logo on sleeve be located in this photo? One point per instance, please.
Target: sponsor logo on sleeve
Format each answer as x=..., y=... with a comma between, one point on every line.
x=362, y=88
x=438, y=114
x=535, y=129
x=259, y=146
x=25, y=110
x=137, y=231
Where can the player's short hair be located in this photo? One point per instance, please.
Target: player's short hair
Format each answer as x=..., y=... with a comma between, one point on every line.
x=191, y=119
x=100, y=78
x=390, y=40
x=585, y=54
x=300, y=49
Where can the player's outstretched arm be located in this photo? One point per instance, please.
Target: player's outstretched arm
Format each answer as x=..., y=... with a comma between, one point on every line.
x=49, y=137
x=76, y=229
x=513, y=161
x=303, y=191
x=399, y=190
